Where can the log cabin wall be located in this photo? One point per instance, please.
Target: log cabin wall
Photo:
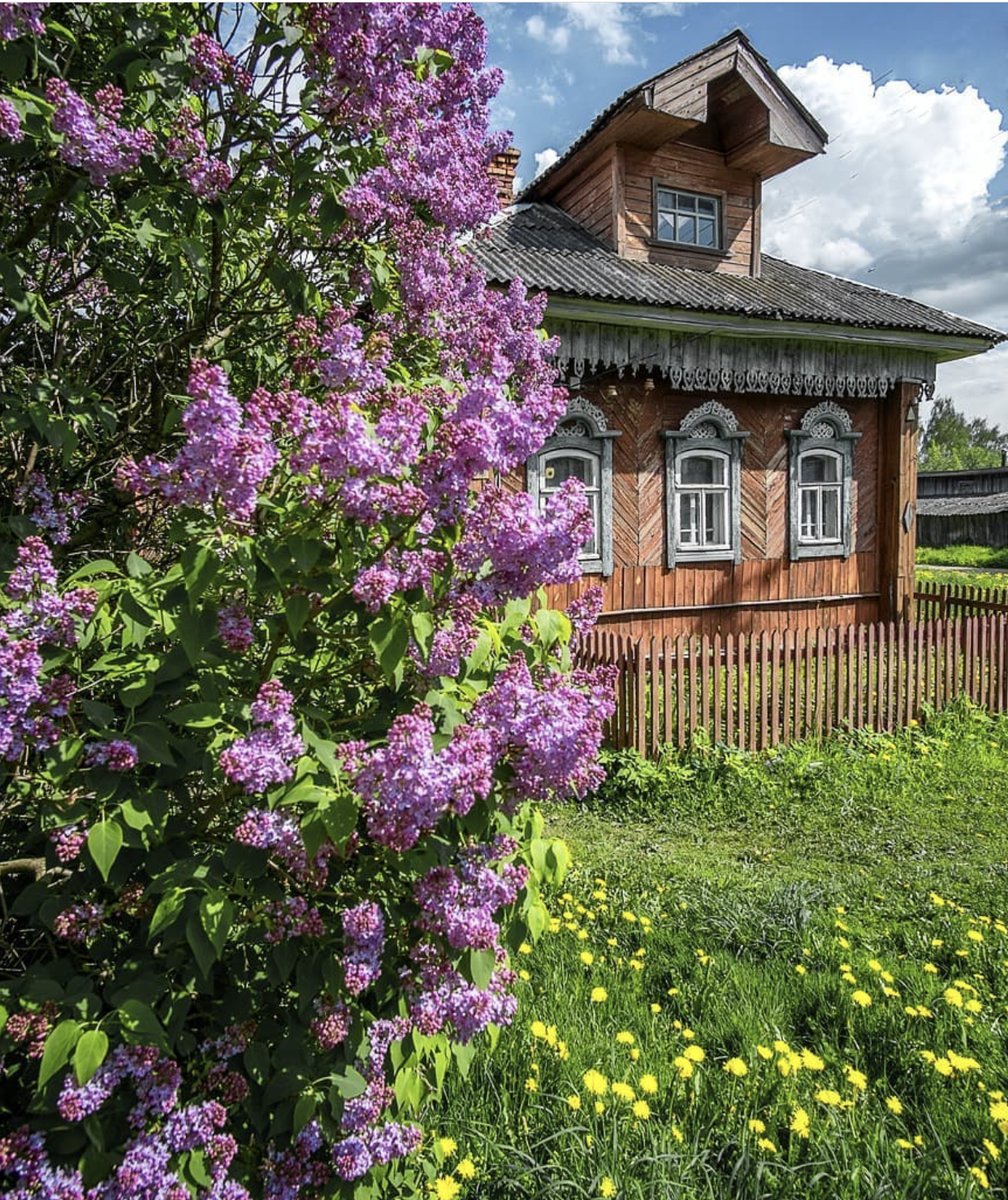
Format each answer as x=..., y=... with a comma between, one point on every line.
x=766, y=590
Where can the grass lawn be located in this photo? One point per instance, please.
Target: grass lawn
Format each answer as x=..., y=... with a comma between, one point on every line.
x=782, y=975
x=963, y=578
x=963, y=556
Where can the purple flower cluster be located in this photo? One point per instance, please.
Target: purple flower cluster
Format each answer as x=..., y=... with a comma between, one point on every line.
x=68, y=842
x=228, y=452
x=584, y=611
x=32, y=1028
x=18, y=19
x=264, y=756
x=79, y=923
x=10, y=122
x=331, y=1024
x=442, y=998
x=407, y=786
x=34, y=571
x=548, y=729
x=297, y=1172
x=155, y=1079
x=292, y=917
x=212, y=65
x=461, y=905
x=234, y=628
x=208, y=177
x=277, y=832
x=364, y=941
x=52, y=513
x=23, y=1156
x=93, y=139
x=398, y=571
x=117, y=755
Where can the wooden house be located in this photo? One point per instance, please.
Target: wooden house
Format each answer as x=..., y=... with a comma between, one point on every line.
x=963, y=508
x=745, y=427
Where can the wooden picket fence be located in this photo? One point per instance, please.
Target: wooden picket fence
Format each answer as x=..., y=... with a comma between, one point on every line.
x=759, y=690
x=958, y=600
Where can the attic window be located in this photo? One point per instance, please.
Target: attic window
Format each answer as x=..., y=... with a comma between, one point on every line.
x=687, y=219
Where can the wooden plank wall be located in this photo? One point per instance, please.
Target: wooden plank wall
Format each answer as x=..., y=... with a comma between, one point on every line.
x=766, y=590
x=588, y=197
x=963, y=529
x=755, y=691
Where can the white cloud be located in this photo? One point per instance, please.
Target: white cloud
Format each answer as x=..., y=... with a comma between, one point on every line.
x=610, y=26
x=901, y=200
x=545, y=159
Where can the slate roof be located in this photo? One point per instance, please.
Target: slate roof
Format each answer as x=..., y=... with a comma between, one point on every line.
x=961, y=506
x=550, y=251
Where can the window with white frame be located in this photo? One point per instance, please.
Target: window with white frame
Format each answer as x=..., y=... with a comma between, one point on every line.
x=687, y=219
x=703, y=479
x=821, y=483
x=580, y=448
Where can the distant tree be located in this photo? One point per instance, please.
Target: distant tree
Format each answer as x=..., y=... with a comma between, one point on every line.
x=951, y=442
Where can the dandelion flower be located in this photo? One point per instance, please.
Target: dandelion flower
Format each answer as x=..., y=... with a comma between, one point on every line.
x=857, y=1079
x=683, y=1065
x=538, y=1030
x=764, y=1052
x=466, y=1169
x=623, y=1091
x=677, y=1133
x=874, y=964
x=625, y=1037
x=973, y=1005
x=943, y=1067
x=641, y=1110
x=607, y=1188
x=445, y=1188
x=800, y=1123
x=524, y=948
x=801, y=969
x=756, y=1125
x=694, y=1053
x=599, y=995
x=736, y=1067
x=599, y=1109
x=766, y=1146
x=781, y=1047
x=980, y=1175
x=595, y=1082
x=531, y=1084
x=812, y=1062
x=829, y=1097
x=861, y=998
x=904, y=1144
x=587, y=957
x=894, y=1105
x=634, y=1054
x=574, y=1101
x=447, y=1146
x=655, y=1008
x=992, y=1150
x=953, y=997
x=930, y=968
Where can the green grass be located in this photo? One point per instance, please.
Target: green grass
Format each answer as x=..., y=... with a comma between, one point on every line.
x=957, y=578
x=759, y=888
x=962, y=556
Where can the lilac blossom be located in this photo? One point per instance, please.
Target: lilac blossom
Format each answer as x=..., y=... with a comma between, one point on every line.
x=207, y=176
x=234, y=627
x=34, y=571
x=18, y=19
x=23, y=1155
x=52, y=513
x=68, y=842
x=10, y=122
x=93, y=139
x=79, y=923
x=407, y=786
x=364, y=941
x=441, y=998
x=292, y=917
x=331, y=1024
x=212, y=65
x=31, y=1029
x=264, y=756
x=277, y=832
x=116, y=755
x=584, y=611
x=291, y=1174
x=461, y=904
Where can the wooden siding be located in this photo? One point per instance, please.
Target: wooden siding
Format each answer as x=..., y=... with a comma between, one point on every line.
x=588, y=197
x=765, y=590
x=694, y=170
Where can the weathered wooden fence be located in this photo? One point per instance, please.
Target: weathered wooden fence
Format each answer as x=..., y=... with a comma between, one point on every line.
x=958, y=600
x=759, y=690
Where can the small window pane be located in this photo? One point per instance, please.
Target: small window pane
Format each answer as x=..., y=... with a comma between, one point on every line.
x=686, y=229
x=666, y=227
x=686, y=203
x=689, y=519
x=831, y=515
x=563, y=467
x=809, y=513
x=702, y=469
x=706, y=235
x=705, y=206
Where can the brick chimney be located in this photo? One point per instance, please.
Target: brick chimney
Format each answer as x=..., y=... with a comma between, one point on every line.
x=502, y=172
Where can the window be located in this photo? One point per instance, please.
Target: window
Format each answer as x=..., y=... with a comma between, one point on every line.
x=703, y=475
x=581, y=448
x=822, y=475
x=557, y=466
x=687, y=219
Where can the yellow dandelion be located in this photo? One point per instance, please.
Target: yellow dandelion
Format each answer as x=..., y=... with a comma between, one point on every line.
x=857, y=1079
x=538, y=1030
x=466, y=1169
x=688, y=1034
x=599, y=995
x=677, y=1134
x=599, y=1107
x=694, y=1054
x=655, y=1008
x=953, y=997
x=764, y=1052
x=943, y=1067
x=625, y=1037
x=524, y=948
x=974, y=935
x=894, y=1105
x=980, y=1175
x=781, y=1047
x=800, y=1124
x=766, y=1146
x=874, y=964
x=801, y=969
x=648, y=1084
x=861, y=998
x=628, y=916
x=736, y=1067
x=930, y=968
x=904, y=1144
x=574, y=1102
x=756, y=1125
x=812, y=1062
x=992, y=1150
x=634, y=1054
x=848, y=977
x=445, y=1188
x=587, y=957
x=683, y=1066
x=973, y=1005
x=607, y=1188
x=641, y=1110
x=531, y=1084
x=595, y=1082
x=624, y=1092
x=524, y=976
x=447, y=1146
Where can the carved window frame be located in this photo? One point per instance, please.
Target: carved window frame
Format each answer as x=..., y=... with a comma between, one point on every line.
x=710, y=426
x=583, y=430
x=827, y=428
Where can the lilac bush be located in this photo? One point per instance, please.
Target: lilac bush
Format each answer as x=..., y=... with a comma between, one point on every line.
x=278, y=685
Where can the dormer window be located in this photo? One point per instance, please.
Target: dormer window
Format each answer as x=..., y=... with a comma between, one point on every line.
x=687, y=218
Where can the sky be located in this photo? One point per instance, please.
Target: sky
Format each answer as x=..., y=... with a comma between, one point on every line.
x=912, y=193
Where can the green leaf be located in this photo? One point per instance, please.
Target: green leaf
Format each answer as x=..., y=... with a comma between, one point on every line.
x=558, y=860
x=199, y=570
x=389, y=637
x=104, y=842
x=297, y=609
x=137, y=566
x=339, y=818
x=58, y=1045
x=140, y=1025
x=169, y=907
x=216, y=914
x=350, y=1084
x=536, y=919
x=423, y=630
x=200, y=945
x=304, y=1110
x=481, y=967
x=553, y=627
x=90, y=1054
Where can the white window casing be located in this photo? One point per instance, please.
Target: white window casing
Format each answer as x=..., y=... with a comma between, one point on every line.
x=821, y=477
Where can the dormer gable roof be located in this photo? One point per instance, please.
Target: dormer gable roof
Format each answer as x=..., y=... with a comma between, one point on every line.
x=728, y=87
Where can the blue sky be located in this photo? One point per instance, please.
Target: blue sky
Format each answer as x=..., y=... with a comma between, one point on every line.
x=912, y=195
